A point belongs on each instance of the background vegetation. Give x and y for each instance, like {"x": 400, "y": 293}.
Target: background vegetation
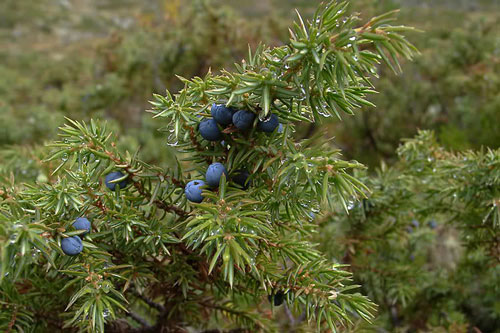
{"x": 104, "y": 59}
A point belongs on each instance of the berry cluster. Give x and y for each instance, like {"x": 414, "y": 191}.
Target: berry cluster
{"x": 210, "y": 130}
{"x": 414, "y": 225}
{"x": 72, "y": 246}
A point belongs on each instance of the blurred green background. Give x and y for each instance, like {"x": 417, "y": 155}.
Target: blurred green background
{"x": 105, "y": 58}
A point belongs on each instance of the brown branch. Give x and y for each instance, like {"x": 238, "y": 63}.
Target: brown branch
{"x": 97, "y": 202}
{"x": 12, "y": 320}
{"x": 290, "y": 316}
{"x": 174, "y": 180}
{"x": 139, "y": 319}
{"x": 149, "y": 302}
{"x": 196, "y": 144}
{"x": 160, "y": 204}
{"x": 229, "y": 310}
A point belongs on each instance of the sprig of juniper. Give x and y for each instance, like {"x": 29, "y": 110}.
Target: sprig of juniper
{"x": 224, "y": 255}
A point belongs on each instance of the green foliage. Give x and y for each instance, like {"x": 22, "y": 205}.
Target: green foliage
{"x": 223, "y": 256}
{"x": 413, "y": 272}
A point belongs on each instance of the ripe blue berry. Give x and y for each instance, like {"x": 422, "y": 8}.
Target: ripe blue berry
{"x": 278, "y": 298}
{"x": 240, "y": 177}
{"x": 415, "y": 223}
{"x": 213, "y": 174}
{"x": 209, "y": 130}
{"x": 222, "y": 114}
{"x": 82, "y": 223}
{"x": 193, "y": 191}
{"x": 243, "y": 119}
{"x": 268, "y": 125}
{"x": 71, "y": 246}
{"x": 114, "y": 176}
{"x": 432, "y": 224}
